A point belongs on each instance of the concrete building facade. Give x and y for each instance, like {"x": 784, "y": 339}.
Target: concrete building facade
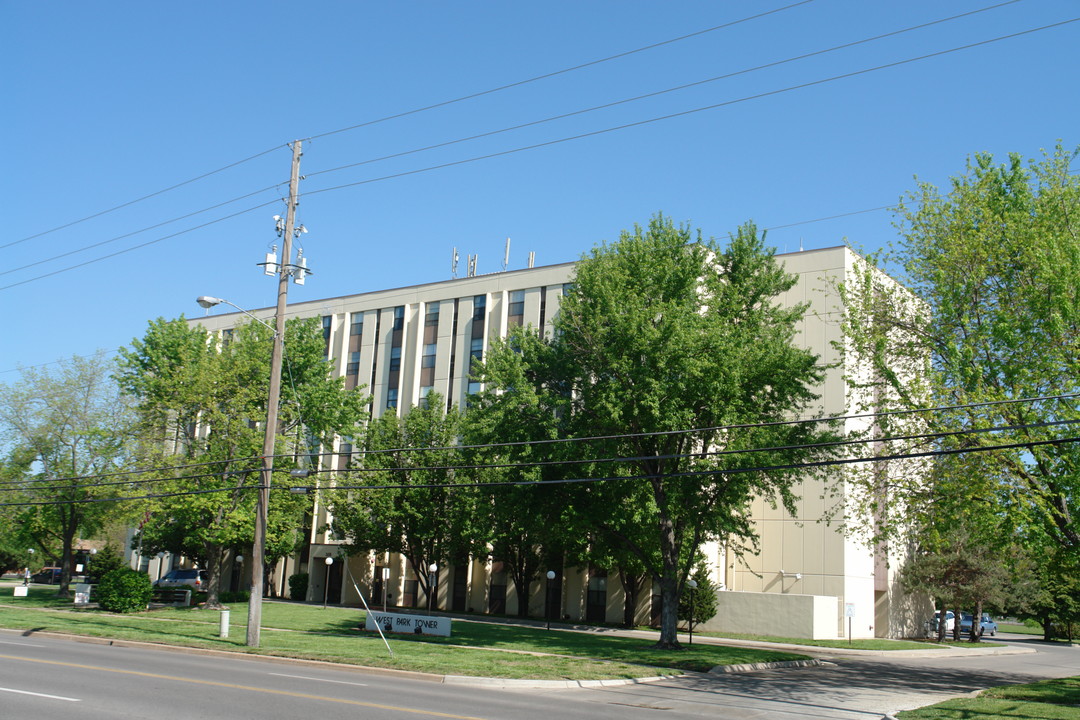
{"x": 809, "y": 578}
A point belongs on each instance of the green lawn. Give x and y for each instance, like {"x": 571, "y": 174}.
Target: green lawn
{"x": 1046, "y": 700}
{"x": 331, "y": 634}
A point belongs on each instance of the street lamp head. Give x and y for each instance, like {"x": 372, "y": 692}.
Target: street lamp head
{"x": 207, "y": 301}
{"x": 692, "y": 583}
{"x": 433, "y": 567}
{"x": 329, "y": 561}
{"x": 239, "y": 558}
{"x": 550, "y": 574}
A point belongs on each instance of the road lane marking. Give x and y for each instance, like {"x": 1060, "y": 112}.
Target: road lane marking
{"x": 20, "y": 644}
{"x": 41, "y": 695}
{"x": 305, "y": 677}
{"x": 249, "y": 688}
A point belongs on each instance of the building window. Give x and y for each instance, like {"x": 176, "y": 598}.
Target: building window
{"x": 327, "y": 324}
{"x": 432, "y": 315}
{"x": 476, "y": 349}
{"x": 356, "y": 329}
{"x": 395, "y": 358}
{"x": 515, "y": 314}
{"x": 428, "y": 358}
{"x": 479, "y": 305}
{"x": 391, "y": 398}
{"x": 399, "y": 317}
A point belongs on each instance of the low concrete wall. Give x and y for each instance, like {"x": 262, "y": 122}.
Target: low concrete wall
{"x": 813, "y": 617}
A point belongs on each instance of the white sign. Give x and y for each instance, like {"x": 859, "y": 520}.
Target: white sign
{"x": 82, "y": 594}
{"x": 20, "y": 591}
{"x": 849, "y": 609}
{"x": 412, "y": 624}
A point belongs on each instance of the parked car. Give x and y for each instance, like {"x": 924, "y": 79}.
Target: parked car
{"x": 50, "y": 575}
{"x": 950, "y": 620}
{"x": 181, "y": 577}
{"x": 987, "y": 625}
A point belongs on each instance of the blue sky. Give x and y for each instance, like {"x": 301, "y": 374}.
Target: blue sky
{"x": 109, "y": 102}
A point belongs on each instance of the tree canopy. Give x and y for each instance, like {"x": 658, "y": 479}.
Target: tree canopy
{"x": 677, "y": 353}
{"x": 64, "y": 429}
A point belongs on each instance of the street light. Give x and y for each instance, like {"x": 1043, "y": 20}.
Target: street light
{"x": 433, "y": 575}
{"x": 692, "y": 584}
{"x": 326, "y": 580}
{"x": 547, "y": 591}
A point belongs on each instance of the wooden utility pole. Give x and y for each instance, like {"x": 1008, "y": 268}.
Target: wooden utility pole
{"x": 284, "y": 270}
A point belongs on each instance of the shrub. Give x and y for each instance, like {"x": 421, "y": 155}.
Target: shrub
{"x": 234, "y": 596}
{"x": 106, "y": 560}
{"x": 124, "y": 590}
{"x": 703, "y": 598}
{"x": 298, "y": 586}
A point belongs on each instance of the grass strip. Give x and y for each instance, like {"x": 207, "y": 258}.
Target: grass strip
{"x": 1057, "y": 699}
{"x": 331, "y": 634}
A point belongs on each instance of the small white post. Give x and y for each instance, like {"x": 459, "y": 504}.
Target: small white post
{"x": 223, "y": 630}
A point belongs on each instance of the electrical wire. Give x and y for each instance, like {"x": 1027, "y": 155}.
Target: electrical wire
{"x": 685, "y": 113}
{"x": 407, "y": 113}
{"x": 458, "y": 448}
{"x": 566, "y": 481}
{"x": 139, "y": 246}
{"x": 142, "y": 230}
{"x": 140, "y": 199}
{"x": 658, "y": 92}
{"x": 556, "y": 73}
{"x": 564, "y": 139}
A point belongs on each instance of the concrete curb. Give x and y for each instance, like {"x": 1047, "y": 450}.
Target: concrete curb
{"x": 753, "y": 667}
{"x": 549, "y": 684}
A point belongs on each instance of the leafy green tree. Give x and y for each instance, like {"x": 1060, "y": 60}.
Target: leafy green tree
{"x": 679, "y": 353}
{"x": 698, "y": 604}
{"x": 409, "y": 505}
{"x": 67, "y": 427}
{"x": 989, "y": 318}
{"x": 200, "y": 404}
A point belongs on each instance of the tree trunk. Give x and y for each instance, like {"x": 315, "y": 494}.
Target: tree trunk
{"x": 976, "y": 623}
{"x": 669, "y": 586}
{"x": 631, "y": 583}
{"x": 215, "y": 562}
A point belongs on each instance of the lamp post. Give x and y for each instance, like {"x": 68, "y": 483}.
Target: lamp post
{"x": 547, "y": 592}
{"x": 385, "y": 586}
{"x": 433, "y": 575}
{"x": 692, "y": 584}
{"x": 326, "y": 580}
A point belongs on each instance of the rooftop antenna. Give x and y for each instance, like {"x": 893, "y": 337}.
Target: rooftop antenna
{"x": 506, "y": 255}
{"x": 800, "y": 243}
{"x": 472, "y": 266}
{"x": 532, "y": 258}
{"x": 453, "y": 264}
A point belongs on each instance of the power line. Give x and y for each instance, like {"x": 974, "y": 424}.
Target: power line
{"x": 660, "y": 92}
{"x": 557, "y": 72}
{"x": 621, "y": 436}
{"x": 407, "y": 113}
{"x": 566, "y": 481}
{"x": 564, "y": 139}
{"x": 145, "y": 229}
{"x": 140, "y": 199}
{"x": 139, "y": 246}
{"x": 692, "y": 111}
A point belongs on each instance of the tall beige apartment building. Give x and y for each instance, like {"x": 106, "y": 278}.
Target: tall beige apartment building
{"x": 809, "y": 579}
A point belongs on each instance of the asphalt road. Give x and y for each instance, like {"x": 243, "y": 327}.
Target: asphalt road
{"x": 48, "y": 678}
